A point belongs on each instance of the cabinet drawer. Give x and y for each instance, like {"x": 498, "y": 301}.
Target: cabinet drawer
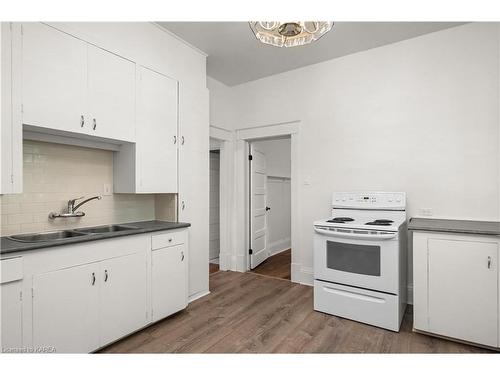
{"x": 363, "y": 305}
{"x": 11, "y": 269}
{"x": 167, "y": 239}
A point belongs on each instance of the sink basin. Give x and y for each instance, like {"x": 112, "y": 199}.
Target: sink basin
{"x": 46, "y": 236}
{"x": 105, "y": 229}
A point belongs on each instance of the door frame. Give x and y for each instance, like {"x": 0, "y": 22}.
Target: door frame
{"x": 225, "y": 138}
{"x": 241, "y": 236}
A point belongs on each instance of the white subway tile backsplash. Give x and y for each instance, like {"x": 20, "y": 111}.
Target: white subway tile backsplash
{"x": 55, "y": 173}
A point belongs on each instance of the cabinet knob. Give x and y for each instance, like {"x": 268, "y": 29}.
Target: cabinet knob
{"x": 170, "y": 240}
{"x": 489, "y": 262}
{"x": 105, "y": 275}
{"x": 183, "y": 205}
{"x": 93, "y": 278}
{"x": 82, "y": 121}
{"x": 182, "y": 142}
{"x": 182, "y": 254}
{"x": 175, "y": 139}
{"x": 95, "y": 124}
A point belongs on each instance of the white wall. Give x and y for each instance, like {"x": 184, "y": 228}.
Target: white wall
{"x": 419, "y": 116}
{"x": 221, "y": 104}
{"x": 278, "y": 161}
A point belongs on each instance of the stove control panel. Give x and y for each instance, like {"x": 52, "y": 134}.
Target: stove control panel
{"x": 370, "y": 200}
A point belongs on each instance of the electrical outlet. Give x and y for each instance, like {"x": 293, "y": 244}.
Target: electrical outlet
{"x": 106, "y": 190}
{"x": 426, "y": 212}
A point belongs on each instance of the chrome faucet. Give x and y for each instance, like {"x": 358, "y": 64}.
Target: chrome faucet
{"x": 72, "y": 209}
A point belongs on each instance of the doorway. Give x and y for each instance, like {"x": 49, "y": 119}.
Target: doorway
{"x": 270, "y": 206}
{"x": 214, "y": 206}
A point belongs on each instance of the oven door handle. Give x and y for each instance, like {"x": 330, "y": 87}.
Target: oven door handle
{"x": 358, "y": 236}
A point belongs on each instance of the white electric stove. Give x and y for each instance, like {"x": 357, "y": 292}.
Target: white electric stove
{"x": 360, "y": 258}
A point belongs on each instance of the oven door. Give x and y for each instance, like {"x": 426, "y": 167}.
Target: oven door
{"x": 357, "y": 258}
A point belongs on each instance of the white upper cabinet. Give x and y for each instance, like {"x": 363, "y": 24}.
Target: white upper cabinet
{"x": 111, "y": 95}
{"x": 157, "y": 132}
{"x": 73, "y": 86}
{"x": 150, "y": 166}
{"x": 54, "y": 74}
{"x": 11, "y": 135}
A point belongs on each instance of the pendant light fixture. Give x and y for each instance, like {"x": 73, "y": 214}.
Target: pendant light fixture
{"x": 289, "y": 34}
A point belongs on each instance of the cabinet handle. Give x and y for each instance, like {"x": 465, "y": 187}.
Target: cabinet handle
{"x": 170, "y": 239}
{"x": 175, "y": 139}
{"x": 105, "y": 275}
{"x": 82, "y": 121}
{"x": 93, "y": 278}
{"x": 489, "y": 262}
{"x": 182, "y": 142}
{"x": 95, "y": 124}
{"x": 182, "y": 253}
{"x": 183, "y": 205}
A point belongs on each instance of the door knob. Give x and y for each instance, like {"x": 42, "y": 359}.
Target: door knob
{"x": 268, "y": 208}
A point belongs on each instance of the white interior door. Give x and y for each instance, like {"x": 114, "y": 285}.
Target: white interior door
{"x": 258, "y": 200}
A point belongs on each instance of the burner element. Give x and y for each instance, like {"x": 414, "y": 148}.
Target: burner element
{"x": 384, "y": 222}
{"x": 340, "y": 220}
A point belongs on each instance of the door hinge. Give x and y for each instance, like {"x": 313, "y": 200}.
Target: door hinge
{"x": 32, "y": 293}
{"x": 250, "y": 157}
{"x": 21, "y": 296}
{"x": 250, "y": 251}
{"x": 22, "y": 30}
{"x": 12, "y": 178}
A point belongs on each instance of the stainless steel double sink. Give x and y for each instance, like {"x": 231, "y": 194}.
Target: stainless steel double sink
{"x": 69, "y": 233}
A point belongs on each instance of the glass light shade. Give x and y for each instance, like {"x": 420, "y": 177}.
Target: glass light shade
{"x": 289, "y": 34}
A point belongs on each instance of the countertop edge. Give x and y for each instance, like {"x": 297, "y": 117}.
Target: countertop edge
{"x": 155, "y": 226}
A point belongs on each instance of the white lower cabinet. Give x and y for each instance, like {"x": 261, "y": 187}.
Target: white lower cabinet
{"x": 79, "y": 298}
{"x": 123, "y": 296}
{"x": 456, "y": 286}
{"x": 11, "y": 304}
{"x": 168, "y": 281}
{"x": 66, "y": 309}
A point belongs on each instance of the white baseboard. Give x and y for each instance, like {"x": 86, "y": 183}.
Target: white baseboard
{"x": 279, "y": 246}
{"x": 302, "y": 275}
{"x": 195, "y": 296}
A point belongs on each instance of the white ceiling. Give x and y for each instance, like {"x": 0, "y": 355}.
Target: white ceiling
{"x": 235, "y": 56}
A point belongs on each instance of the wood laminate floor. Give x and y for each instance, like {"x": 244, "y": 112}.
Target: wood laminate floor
{"x": 279, "y": 265}
{"x": 213, "y": 268}
{"x": 249, "y": 313}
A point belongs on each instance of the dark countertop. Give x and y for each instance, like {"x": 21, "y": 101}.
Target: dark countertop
{"x": 10, "y": 246}
{"x": 455, "y": 226}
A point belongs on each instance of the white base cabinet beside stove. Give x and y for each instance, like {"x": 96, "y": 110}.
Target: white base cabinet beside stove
{"x": 456, "y": 290}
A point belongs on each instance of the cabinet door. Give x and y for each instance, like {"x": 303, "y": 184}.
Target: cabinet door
{"x": 169, "y": 281}
{"x": 156, "y": 145}
{"x": 11, "y": 324}
{"x": 66, "y": 309}
{"x": 194, "y": 182}
{"x": 54, "y": 74}
{"x": 463, "y": 290}
{"x": 111, "y": 95}
{"x": 123, "y": 296}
